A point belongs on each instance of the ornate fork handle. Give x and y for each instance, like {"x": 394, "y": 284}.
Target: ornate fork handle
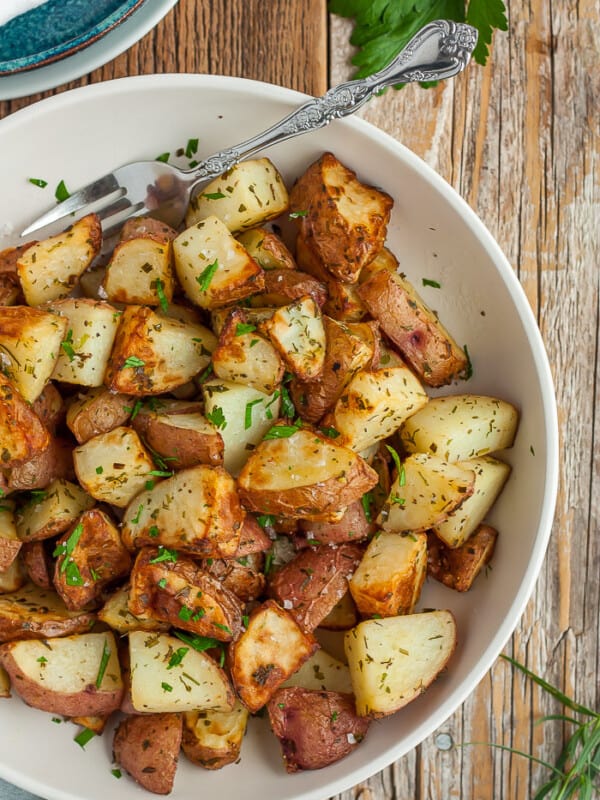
{"x": 438, "y": 51}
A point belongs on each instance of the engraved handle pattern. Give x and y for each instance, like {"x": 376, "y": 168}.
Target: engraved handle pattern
{"x": 438, "y": 51}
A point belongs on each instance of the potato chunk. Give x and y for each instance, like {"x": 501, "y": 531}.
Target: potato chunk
{"x": 302, "y": 475}
{"x": 393, "y": 660}
{"x": 248, "y": 194}
{"x": 213, "y": 739}
{"x": 174, "y": 589}
{"x": 322, "y": 672}
{"x": 343, "y": 220}
{"x": 53, "y": 511}
{"x": 458, "y": 567}
{"x": 196, "y": 511}
{"x": 311, "y": 583}
{"x": 389, "y": 578}
{"x": 147, "y": 747}
{"x": 267, "y": 249}
{"x": 72, "y": 676}
{"x": 460, "y": 427}
{"x": 153, "y": 354}
{"x": 374, "y": 405}
{"x": 184, "y": 440}
{"x": 10, "y": 544}
{"x": 272, "y": 647}
{"x": 91, "y": 329}
{"x": 97, "y": 411}
{"x": 140, "y": 270}
{"x": 35, "y": 613}
{"x": 90, "y": 556}
{"x": 22, "y": 434}
{"x": 30, "y": 342}
{"x": 315, "y": 729}
{"x": 51, "y": 268}
{"x": 297, "y": 332}
{"x": 167, "y": 675}
{"x": 425, "y": 492}
{"x": 490, "y": 477}
{"x": 114, "y": 466}
{"x": 414, "y": 328}
{"x": 116, "y": 614}
{"x": 244, "y": 356}
{"x": 213, "y": 267}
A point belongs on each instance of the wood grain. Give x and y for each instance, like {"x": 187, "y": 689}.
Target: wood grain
{"x": 278, "y": 41}
{"x": 520, "y": 141}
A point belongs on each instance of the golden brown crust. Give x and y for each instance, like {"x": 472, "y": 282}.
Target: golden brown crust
{"x": 181, "y": 593}
{"x": 458, "y": 567}
{"x": 22, "y": 433}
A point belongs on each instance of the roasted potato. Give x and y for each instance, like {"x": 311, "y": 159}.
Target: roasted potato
{"x": 245, "y": 356}
{"x": 272, "y": 647}
{"x": 196, "y": 511}
{"x": 213, "y": 267}
{"x": 213, "y": 739}
{"x": 141, "y": 270}
{"x": 460, "y": 427}
{"x": 22, "y": 433}
{"x": 297, "y": 332}
{"x": 91, "y": 330}
{"x": 30, "y": 341}
{"x": 147, "y": 747}
{"x": 183, "y": 440}
{"x": 52, "y": 511}
{"x": 302, "y": 474}
{"x": 322, "y": 672}
{"x": 50, "y": 407}
{"x": 13, "y": 577}
{"x": 283, "y": 286}
{"x": 242, "y": 575}
{"x": 72, "y": 675}
{"x": 267, "y": 249}
{"x": 97, "y": 411}
{"x": 458, "y": 567}
{"x": 90, "y": 556}
{"x": 55, "y": 461}
{"x": 312, "y": 583}
{"x": 35, "y": 613}
{"x": 343, "y": 220}
{"x": 168, "y": 676}
{"x": 175, "y": 589}
{"x": 414, "y": 328}
{"x": 38, "y": 564}
{"x": 114, "y": 466}
{"x": 153, "y": 354}
{"x": 352, "y": 527}
{"x": 51, "y": 268}
{"x": 314, "y": 728}
{"x": 389, "y": 578}
{"x": 116, "y": 614}
{"x": 10, "y": 544}
{"x": 425, "y": 492}
{"x": 248, "y": 194}
{"x": 393, "y": 660}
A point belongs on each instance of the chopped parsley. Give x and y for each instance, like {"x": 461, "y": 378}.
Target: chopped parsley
{"x": 40, "y": 182}
{"x": 191, "y": 148}
{"x": 133, "y": 362}
{"x": 67, "y": 345}
{"x": 217, "y": 417}
{"x": 213, "y": 195}
{"x": 281, "y": 431}
{"x": 297, "y": 214}
{"x": 61, "y": 192}
{"x": 164, "y": 157}
{"x": 177, "y": 657}
{"x": 428, "y": 282}
{"x": 206, "y": 276}
{"x": 164, "y": 554}
{"x": 244, "y": 327}
{"x": 66, "y": 549}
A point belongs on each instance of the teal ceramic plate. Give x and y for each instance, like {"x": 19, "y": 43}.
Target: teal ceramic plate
{"x": 57, "y": 29}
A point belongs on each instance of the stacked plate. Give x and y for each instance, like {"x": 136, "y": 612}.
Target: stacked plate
{"x": 58, "y": 41}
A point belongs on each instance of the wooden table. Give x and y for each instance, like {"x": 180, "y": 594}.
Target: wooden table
{"x": 520, "y": 141}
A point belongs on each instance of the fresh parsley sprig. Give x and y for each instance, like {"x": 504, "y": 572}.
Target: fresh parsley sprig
{"x": 383, "y": 27}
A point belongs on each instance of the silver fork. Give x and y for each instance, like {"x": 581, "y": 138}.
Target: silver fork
{"x": 439, "y": 50}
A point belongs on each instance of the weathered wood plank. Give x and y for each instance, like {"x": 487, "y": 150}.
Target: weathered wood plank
{"x": 520, "y": 141}
{"x": 278, "y": 42}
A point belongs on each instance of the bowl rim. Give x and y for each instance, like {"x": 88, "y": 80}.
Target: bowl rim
{"x": 292, "y": 98}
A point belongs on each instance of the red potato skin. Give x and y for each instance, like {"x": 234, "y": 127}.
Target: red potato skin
{"x": 109, "y": 410}
{"x": 287, "y": 285}
{"x": 56, "y": 461}
{"x": 253, "y": 538}
{"x": 147, "y": 747}
{"x": 314, "y": 581}
{"x": 89, "y": 701}
{"x": 50, "y": 407}
{"x": 37, "y": 563}
{"x": 353, "y": 527}
{"x": 32, "y": 437}
{"x": 314, "y": 729}
{"x": 163, "y": 589}
{"x": 458, "y": 567}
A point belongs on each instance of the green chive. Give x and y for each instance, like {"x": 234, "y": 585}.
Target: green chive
{"x": 133, "y": 362}
{"x": 213, "y": 195}
{"x": 248, "y": 412}
{"x": 164, "y": 157}
{"x": 61, "y": 192}
{"x": 84, "y": 737}
{"x": 38, "y": 182}
{"x": 67, "y": 547}
{"x": 296, "y": 214}
{"x": 281, "y": 431}
{"x": 191, "y": 148}
{"x": 103, "y": 664}
{"x": 435, "y": 284}
{"x": 160, "y": 293}
{"x": 177, "y": 657}
{"x": 207, "y": 275}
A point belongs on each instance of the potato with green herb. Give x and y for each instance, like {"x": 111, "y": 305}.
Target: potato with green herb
{"x": 147, "y": 747}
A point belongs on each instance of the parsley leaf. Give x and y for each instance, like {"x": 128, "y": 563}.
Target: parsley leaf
{"x": 383, "y": 27}
{"x": 485, "y": 15}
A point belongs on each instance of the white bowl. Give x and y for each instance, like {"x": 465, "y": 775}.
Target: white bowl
{"x": 81, "y": 134}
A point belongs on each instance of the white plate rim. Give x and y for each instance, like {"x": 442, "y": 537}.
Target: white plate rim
{"x": 550, "y": 415}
